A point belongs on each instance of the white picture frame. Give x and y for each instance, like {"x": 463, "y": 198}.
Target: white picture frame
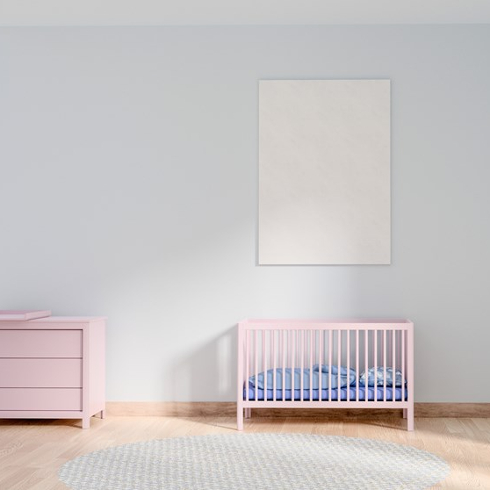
{"x": 324, "y": 172}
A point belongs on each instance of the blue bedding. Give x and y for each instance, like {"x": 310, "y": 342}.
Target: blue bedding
{"x": 330, "y": 377}
{"x": 363, "y": 392}
{"x": 380, "y": 375}
{"x": 339, "y": 382}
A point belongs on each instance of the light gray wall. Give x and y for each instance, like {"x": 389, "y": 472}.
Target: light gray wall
{"x": 128, "y": 187}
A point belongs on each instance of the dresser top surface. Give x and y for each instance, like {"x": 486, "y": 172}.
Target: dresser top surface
{"x": 69, "y": 319}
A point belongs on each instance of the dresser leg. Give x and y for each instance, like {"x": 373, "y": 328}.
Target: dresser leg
{"x": 102, "y": 414}
{"x": 86, "y": 423}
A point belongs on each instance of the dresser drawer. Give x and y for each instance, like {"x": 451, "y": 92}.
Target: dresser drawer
{"x": 40, "y": 373}
{"x": 41, "y": 343}
{"x": 40, "y": 399}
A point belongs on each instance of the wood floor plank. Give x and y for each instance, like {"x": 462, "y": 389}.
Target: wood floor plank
{"x": 31, "y": 452}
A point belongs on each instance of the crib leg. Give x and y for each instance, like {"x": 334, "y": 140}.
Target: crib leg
{"x": 404, "y": 413}
{"x": 239, "y": 417}
{"x": 248, "y": 413}
{"x": 410, "y": 419}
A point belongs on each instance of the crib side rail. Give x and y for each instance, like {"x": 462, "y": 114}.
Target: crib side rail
{"x": 317, "y": 361}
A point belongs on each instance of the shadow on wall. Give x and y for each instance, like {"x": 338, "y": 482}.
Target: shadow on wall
{"x": 208, "y": 373}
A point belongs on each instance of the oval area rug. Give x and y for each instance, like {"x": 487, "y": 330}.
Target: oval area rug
{"x": 256, "y": 462}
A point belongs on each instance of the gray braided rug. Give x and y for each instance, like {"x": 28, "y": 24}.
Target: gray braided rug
{"x": 255, "y": 462}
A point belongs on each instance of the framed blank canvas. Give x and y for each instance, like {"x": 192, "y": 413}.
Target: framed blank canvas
{"x": 324, "y": 172}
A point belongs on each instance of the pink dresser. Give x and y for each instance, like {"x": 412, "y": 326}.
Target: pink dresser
{"x": 51, "y": 367}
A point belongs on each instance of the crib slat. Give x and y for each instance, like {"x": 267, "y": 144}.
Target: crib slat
{"x": 311, "y": 365}
{"x": 339, "y": 355}
{"x": 375, "y": 365}
{"x": 348, "y": 365}
{"x": 385, "y": 348}
{"x": 366, "y": 363}
{"x": 393, "y": 365}
{"x": 247, "y": 362}
{"x": 399, "y": 348}
{"x": 329, "y": 374}
{"x": 273, "y": 365}
{"x": 283, "y": 367}
{"x": 264, "y": 362}
{"x": 302, "y": 373}
{"x": 320, "y": 377}
{"x": 256, "y": 348}
{"x": 293, "y": 355}
{"x": 358, "y": 371}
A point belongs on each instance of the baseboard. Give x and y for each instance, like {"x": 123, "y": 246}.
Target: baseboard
{"x": 452, "y": 410}
{"x": 228, "y": 409}
{"x": 171, "y": 409}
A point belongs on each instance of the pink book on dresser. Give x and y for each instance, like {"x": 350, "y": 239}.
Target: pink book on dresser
{"x": 17, "y": 315}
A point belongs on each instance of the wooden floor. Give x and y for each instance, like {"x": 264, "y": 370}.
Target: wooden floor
{"x": 31, "y": 452}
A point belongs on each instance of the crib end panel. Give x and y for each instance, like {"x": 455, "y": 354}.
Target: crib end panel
{"x": 410, "y": 378}
{"x": 241, "y": 381}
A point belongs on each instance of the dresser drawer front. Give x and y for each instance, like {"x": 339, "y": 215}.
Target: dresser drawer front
{"x": 40, "y": 399}
{"x": 40, "y": 373}
{"x": 41, "y": 343}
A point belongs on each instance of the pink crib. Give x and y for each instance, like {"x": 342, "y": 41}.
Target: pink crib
{"x": 325, "y": 364}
